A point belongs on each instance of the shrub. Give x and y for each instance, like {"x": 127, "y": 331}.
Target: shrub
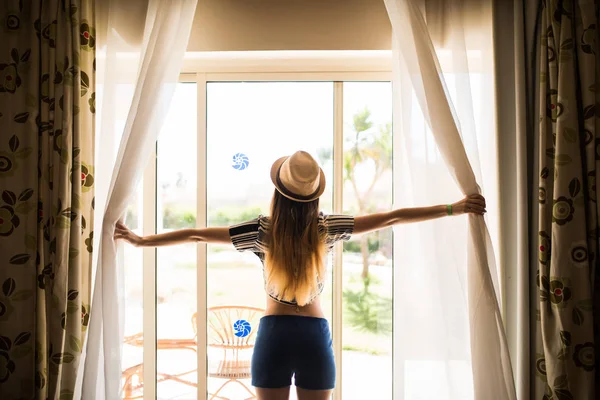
{"x": 175, "y": 219}
{"x": 367, "y": 311}
{"x": 353, "y": 246}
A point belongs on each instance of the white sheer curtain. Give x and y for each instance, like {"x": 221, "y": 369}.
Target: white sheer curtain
{"x": 449, "y": 340}
{"x": 146, "y": 54}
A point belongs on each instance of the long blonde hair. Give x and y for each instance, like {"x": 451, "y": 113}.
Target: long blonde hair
{"x": 294, "y": 260}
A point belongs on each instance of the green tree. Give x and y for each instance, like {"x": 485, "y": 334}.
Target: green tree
{"x": 366, "y": 310}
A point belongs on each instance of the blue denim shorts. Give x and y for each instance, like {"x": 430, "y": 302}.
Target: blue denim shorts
{"x": 290, "y": 345}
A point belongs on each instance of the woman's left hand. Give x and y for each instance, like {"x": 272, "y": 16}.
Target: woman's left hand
{"x": 473, "y": 204}
{"x": 123, "y": 232}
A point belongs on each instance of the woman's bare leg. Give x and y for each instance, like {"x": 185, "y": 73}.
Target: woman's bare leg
{"x": 273, "y": 394}
{"x": 304, "y": 394}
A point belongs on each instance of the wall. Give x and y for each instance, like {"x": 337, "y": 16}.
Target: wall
{"x": 246, "y": 25}
{"x": 237, "y": 25}
{"x": 249, "y": 25}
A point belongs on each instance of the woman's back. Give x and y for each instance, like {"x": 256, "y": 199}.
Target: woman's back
{"x": 254, "y": 236}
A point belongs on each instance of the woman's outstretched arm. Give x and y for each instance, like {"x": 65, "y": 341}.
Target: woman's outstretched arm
{"x": 474, "y": 204}
{"x": 206, "y": 235}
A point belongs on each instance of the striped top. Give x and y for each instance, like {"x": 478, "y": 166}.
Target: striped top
{"x": 250, "y": 236}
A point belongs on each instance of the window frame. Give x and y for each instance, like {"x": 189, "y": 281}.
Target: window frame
{"x": 202, "y": 68}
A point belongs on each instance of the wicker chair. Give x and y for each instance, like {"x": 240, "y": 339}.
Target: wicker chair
{"x": 231, "y": 332}
{"x": 133, "y": 377}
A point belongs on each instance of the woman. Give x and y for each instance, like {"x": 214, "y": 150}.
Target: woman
{"x": 293, "y": 337}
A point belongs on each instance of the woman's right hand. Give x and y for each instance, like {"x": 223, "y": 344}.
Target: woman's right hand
{"x": 473, "y": 204}
{"x": 123, "y": 232}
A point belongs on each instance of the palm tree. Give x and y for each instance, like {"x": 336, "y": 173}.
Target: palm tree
{"x": 365, "y": 146}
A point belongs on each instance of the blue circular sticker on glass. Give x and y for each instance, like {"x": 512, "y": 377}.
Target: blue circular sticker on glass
{"x": 240, "y": 161}
{"x": 241, "y": 328}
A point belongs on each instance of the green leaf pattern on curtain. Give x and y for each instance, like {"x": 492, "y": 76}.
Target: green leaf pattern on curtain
{"x": 569, "y": 141}
{"x": 47, "y": 106}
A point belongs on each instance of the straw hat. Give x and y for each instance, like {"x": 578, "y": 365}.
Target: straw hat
{"x": 298, "y": 177}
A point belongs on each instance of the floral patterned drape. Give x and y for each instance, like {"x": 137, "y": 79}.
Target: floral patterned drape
{"x": 47, "y": 59}
{"x": 568, "y": 218}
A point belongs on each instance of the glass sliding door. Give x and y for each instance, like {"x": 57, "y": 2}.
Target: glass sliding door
{"x": 213, "y": 161}
{"x": 249, "y": 126}
{"x": 367, "y": 259}
{"x": 176, "y": 188}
